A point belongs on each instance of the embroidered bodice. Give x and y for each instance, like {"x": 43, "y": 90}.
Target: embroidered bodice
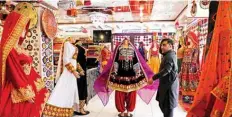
{"x": 154, "y": 53}
{"x": 190, "y": 55}
{"x": 105, "y": 55}
{"x": 25, "y": 60}
{"x": 126, "y": 54}
{"x": 26, "y": 63}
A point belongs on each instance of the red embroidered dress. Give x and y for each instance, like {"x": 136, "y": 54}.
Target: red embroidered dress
{"x": 20, "y": 84}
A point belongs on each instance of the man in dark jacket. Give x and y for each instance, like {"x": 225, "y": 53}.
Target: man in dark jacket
{"x": 168, "y": 90}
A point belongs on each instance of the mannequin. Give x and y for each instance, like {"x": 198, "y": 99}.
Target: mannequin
{"x": 82, "y": 81}
{"x": 189, "y": 74}
{"x": 126, "y": 73}
{"x": 65, "y": 94}
{"x": 180, "y": 53}
{"x": 142, "y": 50}
{"x": 104, "y": 57}
{"x": 154, "y": 61}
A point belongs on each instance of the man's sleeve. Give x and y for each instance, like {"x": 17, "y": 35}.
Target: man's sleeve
{"x": 168, "y": 64}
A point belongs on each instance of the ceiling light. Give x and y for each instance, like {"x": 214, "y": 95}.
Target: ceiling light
{"x": 102, "y": 37}
{"x": 98, "y": 18}
{"x": 74, "y": 20}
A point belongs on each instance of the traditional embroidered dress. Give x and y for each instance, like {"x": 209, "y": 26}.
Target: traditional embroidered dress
{"x": 105, "y": 56}
{"x": 180, "y": 56}
{"x": 216, "y": 73}
{"x": 143, "y": 52}
{"x": 154, "y": 61}
{"x": 189, "y": 75}
{"x": 65, "y": 93}
{"x": 127, "y": 73}
{"x": 20, "y": 83}
{"x": 180, "y": 53}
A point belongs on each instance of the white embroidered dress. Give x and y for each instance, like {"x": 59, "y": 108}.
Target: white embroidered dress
{"x": 65, "y": 93}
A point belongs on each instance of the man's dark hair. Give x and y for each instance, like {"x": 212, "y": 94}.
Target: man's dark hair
{"x": 169, "y": 41}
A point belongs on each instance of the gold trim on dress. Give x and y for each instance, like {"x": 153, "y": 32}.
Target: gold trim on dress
{"x": 22, "y": 94}
{"x": 47, "y": 94}
{"x": 11, "y": 41}
{"x": 217, "y": 113}
{"x": 75, "y": 55}
{"x": 127, "y": 88}
{"x": 27, "y": 68}
{"x": 70, "y": 67}
{"x": 39, "y": 84}
{"x": 79, "y": 68}
{"x": 220, "y": 91}
{"x": 55, "y": 111}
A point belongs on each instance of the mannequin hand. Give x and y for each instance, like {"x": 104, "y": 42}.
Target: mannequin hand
{"x": 150, "y": 81}
{"x": 82, "y": 73}
{"x": 76, "y": 74}
{"x": 32, "y": 100}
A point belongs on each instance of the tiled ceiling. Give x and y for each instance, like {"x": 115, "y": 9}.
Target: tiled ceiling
{"x": 127, "y": 10}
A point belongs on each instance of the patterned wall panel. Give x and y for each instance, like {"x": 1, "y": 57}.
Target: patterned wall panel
{"x": 47, "y": 61}
{"x": 135, "y": 38}
{"x": 41, "y": 49}
{"x": 32, "y": 44}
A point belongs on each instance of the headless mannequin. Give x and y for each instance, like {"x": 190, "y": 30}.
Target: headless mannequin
{"x": 125, "y": 45}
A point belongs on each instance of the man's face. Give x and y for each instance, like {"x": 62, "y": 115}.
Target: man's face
{"x": 165, "y": 46}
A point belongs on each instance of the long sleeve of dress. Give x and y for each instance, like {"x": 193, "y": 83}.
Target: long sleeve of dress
{"x": 22, "y": 89}
{"x": 168, "y": 64}
{"x": 116, "y": 65}
{"x": 67, "y": 57}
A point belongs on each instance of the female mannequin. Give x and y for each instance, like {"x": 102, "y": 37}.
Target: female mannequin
{"x": 104, "y": 57}
{"x": 189, "y": 74}
{"x": 125, "y": 72}
{"x": 154, "y": 61}
{"x": 65, "y": 94}
{"x": 180, "y": 54}
{"x": 142, "y": 50}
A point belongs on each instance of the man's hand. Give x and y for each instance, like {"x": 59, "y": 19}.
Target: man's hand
{"x": 150, "y": 81}
{"x": 76, "y": 74}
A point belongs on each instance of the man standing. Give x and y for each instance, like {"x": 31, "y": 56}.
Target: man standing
{"x": 168, "y": 90}
{"x": 82, "y": 81}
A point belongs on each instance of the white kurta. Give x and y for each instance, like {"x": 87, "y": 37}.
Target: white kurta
{"x": 65, "y": 93}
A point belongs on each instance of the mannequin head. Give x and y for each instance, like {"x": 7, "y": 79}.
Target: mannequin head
{"x": 191, "y": 40}
{"x": 154, "y": 44}
{"x": 125, "y": 41}
{"x": 141, "y": 44}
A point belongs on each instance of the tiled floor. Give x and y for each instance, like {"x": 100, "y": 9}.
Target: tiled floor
{"x": 97, "y": 109}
